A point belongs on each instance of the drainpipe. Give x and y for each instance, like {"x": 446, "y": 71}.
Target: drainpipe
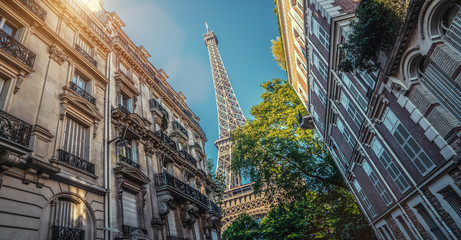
{"x": 107, "y": 160}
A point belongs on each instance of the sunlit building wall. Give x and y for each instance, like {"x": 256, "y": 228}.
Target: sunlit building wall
{"x": 394, "y": 133}
{"x": 94, "y": 143}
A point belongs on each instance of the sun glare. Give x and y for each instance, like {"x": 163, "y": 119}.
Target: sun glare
{"x": 93, "y": 5}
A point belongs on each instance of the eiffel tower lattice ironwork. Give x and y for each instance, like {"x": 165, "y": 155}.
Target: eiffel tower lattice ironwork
{"x": 230, "y": 114}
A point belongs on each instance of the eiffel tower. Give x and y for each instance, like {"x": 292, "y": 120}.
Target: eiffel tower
{"x": 238, "y": 198}
{"x": 230, "y": 115}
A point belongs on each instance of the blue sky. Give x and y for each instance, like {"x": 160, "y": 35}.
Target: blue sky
{"x": 172, "y": 31}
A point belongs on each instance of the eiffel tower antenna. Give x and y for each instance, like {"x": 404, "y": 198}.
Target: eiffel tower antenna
{"x": 230, "y": 115}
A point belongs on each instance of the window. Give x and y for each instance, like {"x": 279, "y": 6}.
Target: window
{"x": 129, "y": 151}
{"x": 75, "y": 139}
{"x": 321, "y": 34}
{"x": 377, "y": 183}
{"x": 355, "y": 94}
{"x": 450, "y": 195}
{"x": 320, "y": 66}
{"x": 130, "y": 209}
{"x": 431, "y": 224}
{"x": 350, "y": 141}
{"x": 338, "y": 161}
{"x": 340, "y": 152}
{"x": 406, "y": 229}
{"x": 84, "y": 46}
{"x": 7, "y": 27}
{"x": 125, "y": 103}
{"x": 68, "y": 219}
{"x": 390, "y": 166}
{"x": 357, "y": 118}
{"x": 407, "y": 142}
{"x": 388, "y": 233}
{"x": 365, "y": 200}
{"x": 320, "y": 94}
{"x": 318, "y": 120}
{"x": 451, "y": 26}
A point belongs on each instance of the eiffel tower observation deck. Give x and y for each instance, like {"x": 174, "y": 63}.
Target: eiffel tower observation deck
{"x": 238, "y": 198}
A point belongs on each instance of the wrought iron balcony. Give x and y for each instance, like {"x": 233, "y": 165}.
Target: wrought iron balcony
{"x": 64, "y": 233}
{"x": 16, "y": 49}
{"x": 129, "y": 161}
{"x": 14, "y": 129}
{"x": 178, "y": 126}
{"x": 165, "y": 139}
{"x": 167, "y": 180}
{"x": 153, "y": 104}
{"x": 188, "y": 157}
{"x": 75, "y": 161}
{"x": 124, "y": 109}
{"x": 128, "y": 230}
{"x": 80, "y": 91}
{"x": 35, "y": 8}
{"x": 215, "y": 207}
{"x": 86, "y": 55}
{"x": 170, "y": 237}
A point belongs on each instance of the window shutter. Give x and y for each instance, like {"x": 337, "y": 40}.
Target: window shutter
{"x": 130, "y": 209}
{"x": 172, "y": 223}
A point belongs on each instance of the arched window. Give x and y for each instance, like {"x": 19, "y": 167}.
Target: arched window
{"x": 68, "y": 219}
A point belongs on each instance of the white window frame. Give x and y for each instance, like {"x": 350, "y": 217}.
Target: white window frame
{"x": 377, "y": 183}
{"x": 321, "y": 34}
{"x": 408, "y": 142}
{"x": 347, "y": 136}
{"x": 319, "y": 93}
{"x": 356, "y": 116}
{"x": 323, "y": 70}
{"x": 390, "y": 166}
{"x": 355, "y": 94}
{"x": 364, "y": 197}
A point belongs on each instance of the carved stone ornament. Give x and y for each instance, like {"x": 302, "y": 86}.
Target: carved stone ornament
{"x": 396, "y": 84}
{"x": 163, "y": 201}
{"x": 9, "y": 159}
{"x": 188, "y": 213}
{"x": 57, "y": 54}
{"x": 19, "y": 81}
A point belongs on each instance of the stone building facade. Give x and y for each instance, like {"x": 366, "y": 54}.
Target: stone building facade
{"x": 394, "y": 133}
{"x": 94, "y": 143}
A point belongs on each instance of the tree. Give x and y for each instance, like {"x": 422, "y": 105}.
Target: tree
{"x": 304, "y": 219}
{"x": 289, "y": 164}
{"x": 164, "y": 123}
{"x": 219, "y": 181}
{"x": 278, "y": 52}
{"x": 243, "y": 228}
{"x": 273, "y": 151}
{"x": 375, "y": 30}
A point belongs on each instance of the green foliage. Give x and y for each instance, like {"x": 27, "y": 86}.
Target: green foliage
{"x": 278, "y": 53}
{"x": 304, "y": 219}
{"x": 219, "y": 181}
{"x": 290, "y": 165}
{"x": 273, "y": 151}
{"x": 376, "y": 28}
{"x": 164, "y": 124}
{"x": 243, "y": 228}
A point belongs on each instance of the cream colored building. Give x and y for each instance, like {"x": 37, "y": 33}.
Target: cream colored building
{"x": 94, "y": 143}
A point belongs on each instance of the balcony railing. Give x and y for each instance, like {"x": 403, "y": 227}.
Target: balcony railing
{"x": 165, "y": 179}
{"x": 178, "y": 126}
{"x": 35, "y": 8}
{"x": 80, "y": 91}
{"x": 189, "y": 115}
{"x": 124, "y": 109}
{"x": 64, "y": 233}
{"x": 175, "y": 238}
{"x": 215, "y": 207}
{"x": 14, "y": 129}
{"x": 75, "y": 161}
{"x": 167, "y": 140}
{"x": 153, "y": 104}
{"x": 86, "y": 55}
{"x": 127, "y": 230}
{"x": 16, "y": 49}
{"x": 129, "y": 161}
{"x": 188, "y": 157}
